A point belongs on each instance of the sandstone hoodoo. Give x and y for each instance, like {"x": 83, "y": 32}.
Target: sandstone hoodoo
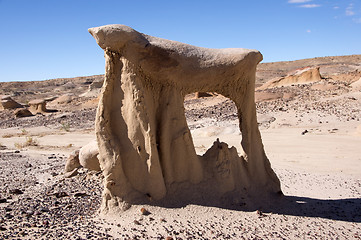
{"x": 146, "y": 151}
{"x": 37, "y": 106}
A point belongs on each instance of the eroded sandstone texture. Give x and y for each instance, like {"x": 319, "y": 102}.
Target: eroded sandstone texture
{"x": 145, "y": 147}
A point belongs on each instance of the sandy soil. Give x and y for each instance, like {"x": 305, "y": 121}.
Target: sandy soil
{"x": 311, "y": 133}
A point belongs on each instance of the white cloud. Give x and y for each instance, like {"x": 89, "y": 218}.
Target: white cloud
{"x": 308, "y": 31}
{"x": 298, "y": 1}
{"x": 310, "y": 6}
{"x": 304, "y": 5}
{"x": 336, "y": 7}
{"x": 349, "y": 10}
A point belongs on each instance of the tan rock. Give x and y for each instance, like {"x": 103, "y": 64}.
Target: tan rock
{"x": 72, "y": 162}
{"x": 94, "y": 89}
{"x": 145, "y": 147}
{"x": 66, "y": 98}
{"x": 300, "y": 76}
{"x": 88, "y": 156}
{"x": 37, "y": 106}
{"x": 8, "y": 103}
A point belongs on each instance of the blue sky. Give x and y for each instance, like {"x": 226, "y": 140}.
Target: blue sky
{"x": 49, "y": 39}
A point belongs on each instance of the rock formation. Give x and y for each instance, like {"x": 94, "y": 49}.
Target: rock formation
{"x": 94, "y": 88}
{"x": 37, "y": 106}
{"x": 88, "y": 156}
{"x": 146, "y": 149}
{"x": 300, "y": 76}
{"x": 64, "y": 99}
{"x": 72, "y": 162}
{"x": 8, "y": 103}
{"x": 96, "y": 84}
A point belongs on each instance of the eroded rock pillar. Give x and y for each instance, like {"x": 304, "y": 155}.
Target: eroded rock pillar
{"x": 146, "y": 150}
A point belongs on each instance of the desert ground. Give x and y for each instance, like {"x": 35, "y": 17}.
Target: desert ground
{"x": 311, "y": 131}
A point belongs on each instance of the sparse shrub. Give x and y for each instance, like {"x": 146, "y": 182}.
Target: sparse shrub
{"x": 7, "y": 135}
{"x": 65, "y": 126}
{"x": 18, "y": 145}
{"x": 24, "y": 132}
{"x": 29, "y": 141}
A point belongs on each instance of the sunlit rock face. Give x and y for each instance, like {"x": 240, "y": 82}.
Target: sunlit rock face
{"x": 146, "y": 150}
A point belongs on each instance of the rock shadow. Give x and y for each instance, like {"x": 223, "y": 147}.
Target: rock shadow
{"x": 348, "y": 209}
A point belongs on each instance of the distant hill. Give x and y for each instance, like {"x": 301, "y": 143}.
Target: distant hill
{"x": 328, "y": 66}
{"x": 28, "y": 90}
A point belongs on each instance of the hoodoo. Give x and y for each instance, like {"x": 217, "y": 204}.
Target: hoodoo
{"x": 146, "y": 150}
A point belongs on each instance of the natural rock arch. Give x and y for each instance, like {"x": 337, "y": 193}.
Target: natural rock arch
{"x": 145, "y": 147}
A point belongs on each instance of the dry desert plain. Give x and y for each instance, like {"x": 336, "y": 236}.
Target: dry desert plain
{"x": 311, "y": 132}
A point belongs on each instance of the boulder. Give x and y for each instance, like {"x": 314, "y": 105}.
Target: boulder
{"x": 64, "y": 99}
{"x": 8, "y": 103}
{"x": 88, "y": 156}
{"x": 146, "y": 150}
{"x": 72, "y": 162}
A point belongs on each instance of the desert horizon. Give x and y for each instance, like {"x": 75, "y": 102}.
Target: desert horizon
{"x": 307, "y": 62}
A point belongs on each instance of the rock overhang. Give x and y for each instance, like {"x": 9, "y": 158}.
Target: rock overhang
{"x": 145, "y": 146}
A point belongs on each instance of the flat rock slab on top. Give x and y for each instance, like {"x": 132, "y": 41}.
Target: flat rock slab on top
{"x": 37, "y": 106}
{"x": 145, "y": 147}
